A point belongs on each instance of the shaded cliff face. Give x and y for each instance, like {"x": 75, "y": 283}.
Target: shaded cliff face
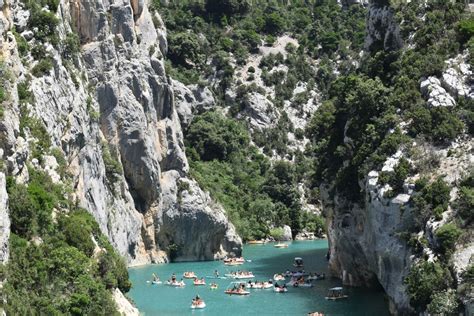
{"x": 368, "y": 239}
{"x": 110, "y": 110}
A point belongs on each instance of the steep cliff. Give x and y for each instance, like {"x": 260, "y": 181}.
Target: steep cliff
{"x": 384, "y": 228}
{"x": 109, "y": 108}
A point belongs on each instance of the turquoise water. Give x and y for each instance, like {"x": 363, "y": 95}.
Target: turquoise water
{"x": 266, "y": 261}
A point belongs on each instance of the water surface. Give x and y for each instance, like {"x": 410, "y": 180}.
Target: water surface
{"x": 266, "y": 260}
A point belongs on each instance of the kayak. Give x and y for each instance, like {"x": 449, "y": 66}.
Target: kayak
{"x": 296, "y": 284}
{"x": 198, "y": 306}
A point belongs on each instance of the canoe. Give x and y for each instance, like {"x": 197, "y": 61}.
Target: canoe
{"x": 198, "y": 306}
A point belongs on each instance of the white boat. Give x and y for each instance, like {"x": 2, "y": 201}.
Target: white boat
{"x": 239, "y": 276}
{"x": 236, "y": 288}
{"x": 280, "y": 289}
{"x": 189, "y": 275}
{"x": 156, "y": 282}
{"x": 298, "y": 262}
{"x": 259, "y": 285}
{"x": 299, "y": 284}
{"x": 199, "y": 282}
{"x": 176, "y": 283}
{"x": 316, "y": 277}
{"x": 281, "y": 245}
{"x": 278, "y": 277}
{"x": 201, "y": 305}
{"x": 336, "y": 293}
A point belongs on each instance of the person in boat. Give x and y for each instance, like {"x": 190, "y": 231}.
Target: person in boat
{"x": 173, "y": 277}
{"x": 284, "y": 286}
{"x": 276, "y": 284}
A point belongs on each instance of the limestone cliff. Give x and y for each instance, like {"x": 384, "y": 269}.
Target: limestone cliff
{"x": 110, "y": 110}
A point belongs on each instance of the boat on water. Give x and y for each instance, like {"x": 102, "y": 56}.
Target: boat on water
{"x": 315, "y": 314}
{"x": 214, "y": 286}
{"x": 236, "y": 288}
{"x": 299, "y": 282}
{"x": 281, "y": 245}
{"x": 239, "y": 259}
{"x": 259, "y": 285}
{"x": 298, "y": 262}
{"x": 316, "y": 277}
{"x": 278, "y": 277}
{"x": 175, "y": 283}
{"x": 197, "y": 282}
{"x": 156, "y": 282}
{"x": 295, "y": 274}
{"x": 280, "y": 289}
{"x": 240, "y": 275}
{"x": 256, "y": 242}
{"x": 233, "y": 263}
{"x": 336, "y": 293}
{"x": 189, "y": 275}
{"x": 198, "y": 303}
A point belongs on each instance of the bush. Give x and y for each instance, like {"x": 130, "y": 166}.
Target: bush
{"x": 44, "y": 23}
{"x": 446, "y": 236}
{"x": 43, "y": 67}
{"x": 424, "y": 279}
{"x": 113, "y": 168}
{"x": 277, "y": 233}
{"x": 443, "y": 303}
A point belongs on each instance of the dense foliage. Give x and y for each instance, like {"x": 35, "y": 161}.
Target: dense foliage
{"x": 53, "y": 268}
{"x": 257, "y": 195}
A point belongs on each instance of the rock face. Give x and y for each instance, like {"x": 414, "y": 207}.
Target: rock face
{"x": 4, "y": 221}
{"x": 363, "y": 248}
{"x": 435, "y": 94}
{"x": 111, "y": 111}
{"x": 382, "y": 30}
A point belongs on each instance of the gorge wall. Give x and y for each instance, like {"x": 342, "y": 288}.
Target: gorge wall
{"x": 110, "y": 110}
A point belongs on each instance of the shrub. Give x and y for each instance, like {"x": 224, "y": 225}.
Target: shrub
{"x": 424, "y": 279}
{"x": 443, "y": 303}
{"x": 113, "y": 168}
{"x": 277, "y": 233}
{"x": 446, "y": 236}
{"x": 43, "y": 67}
{"x": 44, "y": 23}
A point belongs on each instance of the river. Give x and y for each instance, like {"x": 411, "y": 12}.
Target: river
{"x": 265, "y": 261}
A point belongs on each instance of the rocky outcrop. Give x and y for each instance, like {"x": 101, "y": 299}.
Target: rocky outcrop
{"x": 259, "y": 112}
{"x": 191, "y": 100}
{"x": 124, "y": 307}
{"x": 435, "y": 94}
{"x": 111, "y": 110}
{"x": 382, "y": 31}
{"x": 4, "y": 220}
{"x": 192, "y": 224}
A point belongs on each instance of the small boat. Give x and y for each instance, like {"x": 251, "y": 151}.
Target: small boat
{"x": 233, "y": 263}
{"x": 278, "y": 277}
{"x": 315, "y": 314}
{"x": 280, "y": 289}
{"x": 256, "y": 242}
{"x": 281, "y": 245}
{"x": 240, "y": 275}
{"x": 336, "y": 293}
{"x": 236, "y": 288}
{"x": 298, "y": 262}
{"x": 316, "y": 277}
{"x": 299, "y": 283}
{"x": 175, "y": 283}
{"x": 295, "y": 274}
{"x": 240, "y": 259}
{"x": 199, "y": 282}
{"x": 156, "y": 282}
{"x": 214, "y": 286}
{"x": 198, "y": 305}
{"x": 259, "y": 285}
{"x": 189, "y": 275}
